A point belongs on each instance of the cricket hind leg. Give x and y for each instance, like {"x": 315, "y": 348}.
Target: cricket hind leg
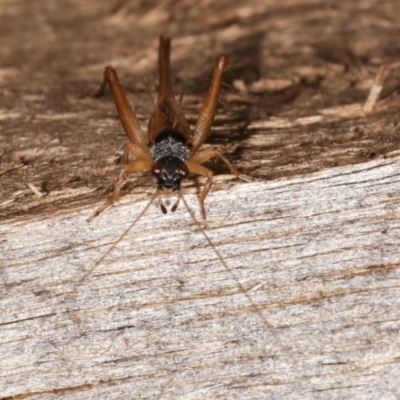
{"x": 100, "y": 91}
{"x": 127, "y": 115}
{"x": 142, "y": 163}
{"x": 209, "y": 107}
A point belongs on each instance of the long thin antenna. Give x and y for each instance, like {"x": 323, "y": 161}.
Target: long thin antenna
{"x": 225, "y": 265}
{"x": 156, "y": 194}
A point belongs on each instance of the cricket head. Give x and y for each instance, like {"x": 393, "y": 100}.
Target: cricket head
{"x": 169, "y": 171}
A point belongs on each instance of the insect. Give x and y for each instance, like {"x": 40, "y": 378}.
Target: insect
{"x": 171, "y": 150}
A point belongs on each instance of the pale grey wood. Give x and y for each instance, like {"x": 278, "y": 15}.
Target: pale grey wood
{"x": 160, "y": 318}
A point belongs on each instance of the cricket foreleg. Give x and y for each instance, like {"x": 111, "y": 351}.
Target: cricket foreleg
{"x": 198, "y": 169}
{"x": 142, "y": 163}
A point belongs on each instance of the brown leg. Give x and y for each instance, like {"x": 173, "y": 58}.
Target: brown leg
{"x": 137, "y": 152}
{"x": 142, "y": 163}
{"x": 101, "y": 89}
{"x": 198, "y": 169}
{"x": 207, "y": 113}
{"x": 125, "y": 158}
{"x": 200, "y": 158}
{"x": 126, "y": 114}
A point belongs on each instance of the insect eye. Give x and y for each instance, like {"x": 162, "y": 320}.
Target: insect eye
{"x": 156, "y": 169}
{"x": 184, "y": 170}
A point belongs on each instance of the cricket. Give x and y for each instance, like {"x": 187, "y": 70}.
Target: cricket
{"x": 170, "y": 150}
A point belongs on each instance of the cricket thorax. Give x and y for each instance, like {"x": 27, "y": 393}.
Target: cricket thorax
{"x": 170, "y": 143}
{"x": 170, "y": 154}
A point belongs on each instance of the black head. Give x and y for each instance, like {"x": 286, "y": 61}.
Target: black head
{"x": 169, "y": 172}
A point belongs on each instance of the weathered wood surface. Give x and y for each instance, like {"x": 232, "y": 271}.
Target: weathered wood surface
{"x": 314, "y": 240}
{"x": 161, "y": 318}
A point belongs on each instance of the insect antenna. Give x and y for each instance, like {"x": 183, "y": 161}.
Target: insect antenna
{"x": 254, "y": 308}
{"x": 101, "y": 259}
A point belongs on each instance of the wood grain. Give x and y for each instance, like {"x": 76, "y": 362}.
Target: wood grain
{"x": 160, "y": 318}
{"x": 313, "y": 239}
